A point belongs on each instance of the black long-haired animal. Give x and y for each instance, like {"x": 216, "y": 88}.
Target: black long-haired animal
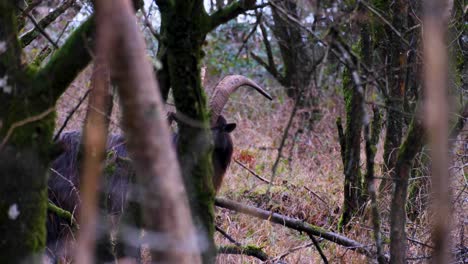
{"x": 64, "y": 178}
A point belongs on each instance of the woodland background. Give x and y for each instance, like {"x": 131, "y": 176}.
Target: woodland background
{"x": 345, "y": 145}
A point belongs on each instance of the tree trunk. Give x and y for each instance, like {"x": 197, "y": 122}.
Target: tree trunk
{"x": 26, "y": 129}
{"x": 299, "y": 60}
{"x": 408, "y": 150}
{"x": 27, "y": 118}
{"x": 355, "y": 187}
{"x": 184, "y": 28}
{"x": 352, "y": 150}
{"x": 185, "y": 37}
{"x": 394, "y": 56}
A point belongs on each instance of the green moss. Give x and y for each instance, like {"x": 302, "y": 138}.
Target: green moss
{"x": 253, "y": 247}
{"x": 262, "y": 190}
{"x": 61, "y": 213}
{"x": 34, "y": 135}
{"x": 23, "y": 206}
{"x": 11, "y": 59}
{"x": 344, "y": 218}
{"x": 65, "y": 64}
{"x": 110, "y": 168}
{"x": 347, "y": 89}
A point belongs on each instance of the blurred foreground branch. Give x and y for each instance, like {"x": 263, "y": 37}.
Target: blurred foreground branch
{"x": 161, "y": 194}
{"x": 436, "y": 16}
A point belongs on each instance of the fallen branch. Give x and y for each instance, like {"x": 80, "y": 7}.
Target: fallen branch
{"x": 252, "y": 251}
{"x": 295, "y": 224}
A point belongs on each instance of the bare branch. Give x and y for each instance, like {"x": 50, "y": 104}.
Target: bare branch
{"x": 39, "y": 27}
{"x": 252, "y": 172}
{"x": 229, "y": 12}
{"x": 94, "y": 144}
{"x": 295, "y": 224}
{"x": 70, "y": 114}
{"x": 319, "y": 249}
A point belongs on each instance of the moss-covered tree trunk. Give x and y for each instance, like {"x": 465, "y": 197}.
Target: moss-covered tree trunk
{"x": 27, "y": 118}
{"x": 407, "y": 151}
{"x": 23, "y": 153}
{"x": 299, "y": 55}
{"x": 184, "y": 27}
{"x": 354, "y": 185}
{"x": 352, "y": 150}
{"x": 393, "y": 54}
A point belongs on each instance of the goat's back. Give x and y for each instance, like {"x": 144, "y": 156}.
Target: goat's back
{"x": 64, "y": 182}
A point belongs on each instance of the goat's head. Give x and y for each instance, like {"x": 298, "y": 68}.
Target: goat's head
{"x": 223, "y": 146}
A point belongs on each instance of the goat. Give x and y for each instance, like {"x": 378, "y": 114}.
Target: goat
{"x": 64, "y": 178}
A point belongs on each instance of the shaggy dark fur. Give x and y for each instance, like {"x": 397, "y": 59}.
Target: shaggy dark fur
{"x": 64, "y": 178}
{"x": 64, "y": 183}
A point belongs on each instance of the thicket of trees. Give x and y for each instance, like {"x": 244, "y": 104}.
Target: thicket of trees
{"x": 396, "y": 65}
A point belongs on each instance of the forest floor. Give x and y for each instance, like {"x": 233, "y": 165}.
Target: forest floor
{"x": 308, "y": 183}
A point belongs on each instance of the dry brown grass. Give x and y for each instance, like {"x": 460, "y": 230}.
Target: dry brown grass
{"x": 308, "y": 184}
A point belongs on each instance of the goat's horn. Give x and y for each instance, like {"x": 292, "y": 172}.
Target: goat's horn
{"x": 225, "y": 88}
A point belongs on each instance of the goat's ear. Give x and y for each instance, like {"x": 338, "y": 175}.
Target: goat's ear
{"x": 229, "y": 127}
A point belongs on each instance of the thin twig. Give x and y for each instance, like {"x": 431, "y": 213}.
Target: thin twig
{"x": 40, "y": 30}
{"x": 283, "y": 141}
{"x": 319, "y": 249}
{"x": 70, "y": 114}
{"x": 25, "y": 122}
{"x": 29, "y": 36}
{"x": 63, "y": 31}
{"x": 379, "y": 15}
{"x": 252, "y": 31}
{"x": 316, "y": 195}
{"x": 72, "y": 185}
{"x": 252, "y": 172}
{"x": 226, "y": 235}
{"x": 289, "y": 251}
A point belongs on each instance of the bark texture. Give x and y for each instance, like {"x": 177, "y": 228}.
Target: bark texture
{"x": 165, "y": 211}
{"x": 184, "y": 25}
{"x": 27, "y": 119}
{"x": 408, "y": 150}
{"x": 393, "y": 54}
